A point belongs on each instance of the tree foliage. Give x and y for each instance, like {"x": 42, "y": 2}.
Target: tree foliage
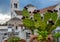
{"x": 47, "y": 16}
{"x": 44, "y": 28}
{"x": 37, "y": 16}
{"x": 25, "y": 13}
{"x": 38, "y": 23}
{"x": 58, "y": 22}
{"x": 37, "y": 20}
{"x": 52, "y": 24}
{"x": 54, "y": 16}
{"x": 28, "y": 23}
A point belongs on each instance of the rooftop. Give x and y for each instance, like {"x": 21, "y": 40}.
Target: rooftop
{"x": 18, "y": 12}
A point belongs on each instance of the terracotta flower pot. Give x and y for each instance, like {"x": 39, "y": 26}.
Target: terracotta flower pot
{"x": 22, "y": 40}
{"x": 49, "y": 38}
{"x": 5, "y": 40}
{"x": 33, "y": 38}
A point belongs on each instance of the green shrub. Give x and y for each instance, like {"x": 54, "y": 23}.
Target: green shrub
{"x": 42, "y": 35}
{"x": 57, "y": 35}
{"x": 14, "y": 39}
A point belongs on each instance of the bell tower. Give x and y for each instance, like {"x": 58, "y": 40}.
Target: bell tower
{"x": 14, "y": 6}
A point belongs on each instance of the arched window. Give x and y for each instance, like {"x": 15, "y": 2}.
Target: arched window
{"x": 15, "y": 5}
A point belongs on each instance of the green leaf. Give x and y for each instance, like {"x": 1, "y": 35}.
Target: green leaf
{"x": 57, "y": 35}
{"x": 28, "y": 23}
{"x": 54, "y": 16}
{"x": 47, "y": 16}
{"x": 37, "y": 17}
{"x": 37, "y": 24}
{"x": 43, "y": 25}
{"x": 42, "y": 35}
{"x": 58, "y": 22}
{"x": 25, "y": 13}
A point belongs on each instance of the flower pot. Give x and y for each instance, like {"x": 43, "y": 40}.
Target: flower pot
{"x": 5, "y": 40}
{"x": 33, "y": 38}
{"x": 43, "y": 41}
{"x": 49, "y": 38}
{"x": 22, "y": 40}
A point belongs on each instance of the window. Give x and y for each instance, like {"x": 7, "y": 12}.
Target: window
{"x": 5, "y": 34}
{"x": 27, "y": 35}
{"x": 23, "y": 17}
{"x": 38, "y": 10}
{"x": 16, "y": 27}
{"x": 11, "y": 25}
{"x": 55, "y": 10}
{"x": 59, "y": 8}
{"x": 15, "y": 5}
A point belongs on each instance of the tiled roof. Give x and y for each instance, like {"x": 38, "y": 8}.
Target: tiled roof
{"x": 16, "y": 21}
{"x": 29, "y": 5}
{"x": 15, "y": 18}
{"x": 48, "y": 8}
{"x": 41, "y": 11}
{"x": 18, "y": 12}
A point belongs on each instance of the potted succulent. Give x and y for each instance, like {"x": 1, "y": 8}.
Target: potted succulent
{"x": 13, "y": 39}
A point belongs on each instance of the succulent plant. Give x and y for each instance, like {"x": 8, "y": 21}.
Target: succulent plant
{"x": 14, "y": 39}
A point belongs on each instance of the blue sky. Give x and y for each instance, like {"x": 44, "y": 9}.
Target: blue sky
{"x": 39, "y": 4}
{"x": 5, "y": 4}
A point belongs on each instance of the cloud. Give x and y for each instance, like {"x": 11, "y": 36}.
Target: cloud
{"x": 4, "y": 18}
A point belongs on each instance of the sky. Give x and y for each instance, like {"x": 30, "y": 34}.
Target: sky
{"x": 39, "y": 4}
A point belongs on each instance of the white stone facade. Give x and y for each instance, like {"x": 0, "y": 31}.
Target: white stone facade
{"x": 58, "y": 8}
{"x": 14, "y": 6}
